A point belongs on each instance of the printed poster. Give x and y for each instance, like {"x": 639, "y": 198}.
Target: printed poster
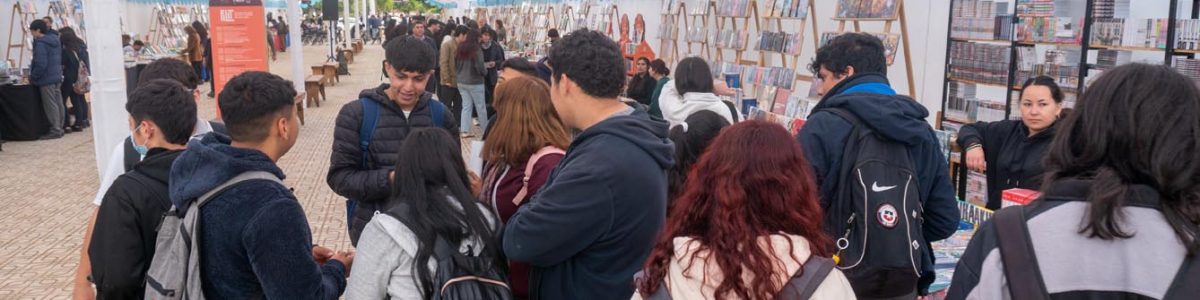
{"x": 239, "y": 39}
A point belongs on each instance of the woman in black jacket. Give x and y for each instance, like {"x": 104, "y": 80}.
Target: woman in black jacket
{"x": 1010, "y": 152}
{"x": 74, "y": 55}
{"x": 641, "y": 86}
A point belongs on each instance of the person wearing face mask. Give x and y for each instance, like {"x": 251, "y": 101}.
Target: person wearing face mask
{"x": 159, "y": 115}
{"x": 1010, "y": 152}
{"x": 125, "y": 155}
{"x": 370, "y": 130}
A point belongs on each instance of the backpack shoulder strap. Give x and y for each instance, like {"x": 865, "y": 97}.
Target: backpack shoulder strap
{"x": 547, "y": 150}
{"x": 806, "y": 280}
{"x": 1020, "y": 262}
{"x": 733, "y": 111}
{"x": 148, "y": 181}
{"x": 437, "y": 111}
{"x": 845, "y": 114}
{"x": 246, "y": 176}
{"x": 366, "y": 131}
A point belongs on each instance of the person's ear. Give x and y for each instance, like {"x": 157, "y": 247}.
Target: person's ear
{"x": 849, "y": 72}
{"x": 282, "y": 127}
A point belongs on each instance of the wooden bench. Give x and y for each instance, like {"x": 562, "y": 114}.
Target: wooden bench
{"x": 349, "y": 55}
{"x": 358, "y": 45}
{"x": 328, "y": 71}
{"x": 315, "y": 89}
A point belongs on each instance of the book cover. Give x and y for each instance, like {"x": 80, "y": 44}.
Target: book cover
{"x": 781, "y": 101}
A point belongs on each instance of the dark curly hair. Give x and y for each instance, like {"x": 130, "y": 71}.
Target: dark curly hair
{"x": 168, "y": 104}
{"x": 251, "y": 101}
{"x": 408, "y": 54}
{"x": 173, "y": 69}
{"x": 862, "y": 51}
{"x": 592, "y": 60}
{"x": 659, "y": 66}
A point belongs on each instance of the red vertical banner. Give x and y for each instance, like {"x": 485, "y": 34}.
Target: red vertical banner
{"x": 239, "y": 39}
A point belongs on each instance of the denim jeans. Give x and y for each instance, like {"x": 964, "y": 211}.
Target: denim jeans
{"x": 473, "y": 100}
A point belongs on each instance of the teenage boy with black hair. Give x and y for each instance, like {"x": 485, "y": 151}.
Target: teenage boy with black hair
{"x": 160, "y": 118}
{"x": 420, "y": 33}
{"x": 399, "y": 107}
{"x": 594, "y": 221}
{"x": 853, "y": 73}
{"x": 255, "y": 238}
{"x": 516, "y": 67}
{"x": 124, "y": 156}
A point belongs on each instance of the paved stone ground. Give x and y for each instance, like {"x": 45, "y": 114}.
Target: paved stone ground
{"x": 46, "y": 187}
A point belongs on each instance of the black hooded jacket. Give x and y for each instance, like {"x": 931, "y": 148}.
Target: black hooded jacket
{"x": 369, "y": 185}
{"x": 127, "y": 225}
{"x": 1014, "y": 159}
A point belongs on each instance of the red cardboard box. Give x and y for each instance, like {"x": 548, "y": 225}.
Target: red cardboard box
{"x": 1018, "y": 197}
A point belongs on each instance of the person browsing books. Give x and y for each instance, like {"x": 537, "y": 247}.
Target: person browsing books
{"x": 1010, "y": 151}
{"x": 692, "y": 91}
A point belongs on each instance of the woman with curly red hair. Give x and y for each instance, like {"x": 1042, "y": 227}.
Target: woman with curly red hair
{"x": 745, "y": 223}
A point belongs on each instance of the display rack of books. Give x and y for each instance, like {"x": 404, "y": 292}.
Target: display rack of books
{"x": 23, "y": 13}
{"x": 732, "y": 37}
{"x": 886, "y": 11}
{"x": 565, "y": 19}
{"x": 65, "y": 14}
{"x": 697, "y": 30}
{"x": 779, "y": 40}
{"x": 673, "y": 18}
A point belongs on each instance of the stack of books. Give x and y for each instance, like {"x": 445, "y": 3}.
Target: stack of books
{"x": 867, "y": 9}
{"x": 986, "y": 63}
{"x": 733, "y": 8}
{"x": 1050, "y": 30}
{"x": 668, "y": 30}
{"x": 1035, "y": 8}
{"x": 1188, "y": 67}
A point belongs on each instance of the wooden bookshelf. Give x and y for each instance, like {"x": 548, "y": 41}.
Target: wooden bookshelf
{"x": 887, "y": 30}
{"x": 811, "y": 16}
{"x": 751, "y": 13}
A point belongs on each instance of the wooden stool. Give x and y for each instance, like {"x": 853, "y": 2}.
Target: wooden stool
{"x": 300, "y": 112}
{"x": 314, "y": 89}
{"x": 349, "y": 55}
{"x": 320, "y": 70}
{"x": 331, "y": 71}
{"x": 358, "y": 46}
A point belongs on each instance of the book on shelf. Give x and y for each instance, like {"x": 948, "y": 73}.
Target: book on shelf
{"x": 697, "y": 34}
{"x": 867, "y": 9}
{"x": 668, "y": 30}
{"x": 1064, "y": 30}
{"x": 1035, "y": 8}
{"x": 733, "y": 8}
{"x": 668, "y": 7}
{"x": 701, "y": 9}
{"x": 781, "y": 42}
{"x": 979, "y": 62}
{"x": 1188, "y": 67}
{"x": 788, "y": 9}
{"x": 1187, "y": 34}
{"x": 732, "y": 39}
{"x": 1141, "y": 33}
{"x": 891, "y": 42}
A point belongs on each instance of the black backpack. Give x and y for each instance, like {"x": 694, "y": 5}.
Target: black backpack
{"x": 876, "y": 214}
{"x": 460, "y": 275}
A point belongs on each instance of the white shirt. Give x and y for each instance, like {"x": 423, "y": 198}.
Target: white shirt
{"x": 116, "y": 161}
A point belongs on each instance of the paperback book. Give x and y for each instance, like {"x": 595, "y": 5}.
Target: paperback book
{"x": 867, "y": 9}
{"x": 788, "y": 9}
{"x": 781, "y": 42}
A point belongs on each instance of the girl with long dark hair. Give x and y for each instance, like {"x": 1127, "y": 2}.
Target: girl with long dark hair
{"x": 691, "y": 91}
{"x": 470, "y": 73}
{"x": 431, "y": 200}
{"x": 74, "y": 56}
{"x": 1120, "y": 205}
{"x": 641, "y": 85}
{"x": 746, "y": 222}
{"x": 1010, "y": 151}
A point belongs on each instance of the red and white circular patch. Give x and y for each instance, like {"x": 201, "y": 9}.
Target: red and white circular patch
{"x": 887, "y": 216}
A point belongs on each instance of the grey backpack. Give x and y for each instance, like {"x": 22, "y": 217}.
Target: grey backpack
{"x": 175, "y": 271}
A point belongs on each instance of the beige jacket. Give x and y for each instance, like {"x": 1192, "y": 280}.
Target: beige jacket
{"x": 691, "y": 284}
{"x": 446, "y": 62}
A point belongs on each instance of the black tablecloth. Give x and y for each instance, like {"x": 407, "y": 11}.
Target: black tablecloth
{"x": 21, "y": 115}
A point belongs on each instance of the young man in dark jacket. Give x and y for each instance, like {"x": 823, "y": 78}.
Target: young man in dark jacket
{"x": 254, "y": 237}
{"x": 591, "y": 226}
{"x": 126, "y": 225}
{"x": 853, "y": 75}
{"x": 46, "y": 72}
{"x": 401, "y": 106}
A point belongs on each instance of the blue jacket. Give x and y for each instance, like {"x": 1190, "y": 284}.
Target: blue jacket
{"x": 594, "y": 222}
{"x": 900, "y": 118}
{"x": 47, "y": 65}
{"x": 255, "y": 239}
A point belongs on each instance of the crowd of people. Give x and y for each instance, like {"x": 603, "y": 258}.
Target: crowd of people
{"x": 59, "y": 70}
{"x": 673, "y": 195}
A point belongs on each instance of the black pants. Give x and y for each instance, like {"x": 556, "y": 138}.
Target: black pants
{"x": 450, "y": 97}
{"x": 79, "y": 104}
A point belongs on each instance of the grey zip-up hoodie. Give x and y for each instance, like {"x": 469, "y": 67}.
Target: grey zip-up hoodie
{"x": 470, "y": 71}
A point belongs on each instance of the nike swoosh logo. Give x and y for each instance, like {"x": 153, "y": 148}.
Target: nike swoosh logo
{"x": 876, "y": 188}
